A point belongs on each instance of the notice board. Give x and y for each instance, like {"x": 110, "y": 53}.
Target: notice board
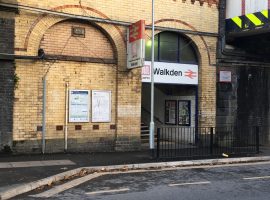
{"x": 101, "y": 106}
{"x": 79, "y": 105}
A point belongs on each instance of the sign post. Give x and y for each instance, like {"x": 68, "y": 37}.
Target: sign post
{"x": 136, "y": 45}
{"x": 152, "y": 124}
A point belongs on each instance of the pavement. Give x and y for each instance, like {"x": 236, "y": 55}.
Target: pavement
{"x": 22, "y": 173}
{"x": 19, "y": 175}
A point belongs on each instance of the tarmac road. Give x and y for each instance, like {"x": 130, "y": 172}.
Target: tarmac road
{"x": 243, "y": 182}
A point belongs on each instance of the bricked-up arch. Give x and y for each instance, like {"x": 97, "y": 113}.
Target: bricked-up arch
{"x": 44, "y": 22}
{"x": 93, "y": 46}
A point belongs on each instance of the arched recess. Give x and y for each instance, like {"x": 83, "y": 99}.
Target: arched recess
{"x": 207, "y": 73}
{"x": 43, "y": 23}
{"x": 199, "y": 41}
{"x": 205, "y": 56}
{"x": 179, "y": 49}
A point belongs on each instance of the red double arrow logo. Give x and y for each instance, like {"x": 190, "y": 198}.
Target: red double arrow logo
{"x": 190, "y": 74}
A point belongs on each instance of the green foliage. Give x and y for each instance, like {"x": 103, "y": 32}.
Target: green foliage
{"x": 16, "y": 80}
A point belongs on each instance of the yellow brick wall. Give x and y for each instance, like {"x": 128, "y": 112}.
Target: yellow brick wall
{"x": 34, "y": 31}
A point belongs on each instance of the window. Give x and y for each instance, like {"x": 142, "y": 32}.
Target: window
{"x": 178, "y": 112}
{"x": 148, "y": 49}
{"x": 172, "y": 47}
{"x": 184, "y": 113}
{"x": 187, "y": 53}
{"x": 168, "y": 47}
{"x": 170, "y": 112}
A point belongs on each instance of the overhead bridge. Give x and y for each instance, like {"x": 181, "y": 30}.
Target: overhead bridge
{"x": 249, "y": 22}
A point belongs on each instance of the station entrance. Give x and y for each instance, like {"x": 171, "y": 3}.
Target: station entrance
{"x": 175, "y": 106}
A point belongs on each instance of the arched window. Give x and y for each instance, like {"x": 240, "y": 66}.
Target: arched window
{"x": 172, "y": 47}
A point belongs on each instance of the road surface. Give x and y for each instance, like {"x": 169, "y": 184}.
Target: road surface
{"x": 242, "y": 182}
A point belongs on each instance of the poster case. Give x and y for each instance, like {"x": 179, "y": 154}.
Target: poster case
{"x": 184, "y": 115}
{"x": 101, "y": 106}
{"x": 170, "y": 112}
{"x": 79, "y": 105}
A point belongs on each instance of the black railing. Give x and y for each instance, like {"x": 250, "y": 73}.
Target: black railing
{"x": 187, "y": 142}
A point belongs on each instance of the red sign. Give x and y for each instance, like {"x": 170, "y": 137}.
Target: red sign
{"x": 136, "y": 31}
{"x": 146, "y": 70}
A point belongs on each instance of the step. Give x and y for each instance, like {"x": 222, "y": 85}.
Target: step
{"x": 144, "y": 131}
{"x": 147, "y": 134}
{"x": 146, "y": 140}
{"x": 144, "y": 127}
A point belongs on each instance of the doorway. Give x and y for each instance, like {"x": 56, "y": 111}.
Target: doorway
{"x": 175, "y": 106}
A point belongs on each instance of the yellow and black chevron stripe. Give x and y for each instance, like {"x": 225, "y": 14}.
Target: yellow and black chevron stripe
{"x": 248, "y": 21}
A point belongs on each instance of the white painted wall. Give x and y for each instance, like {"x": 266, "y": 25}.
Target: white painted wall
{"x": 233, "y": 8}
{"x": 253, "y": 6}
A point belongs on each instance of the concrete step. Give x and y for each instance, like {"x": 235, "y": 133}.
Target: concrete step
{"x": 144, "y": 131}
{"x": 146, "y": 140}
{"x": 147, "y": 135}
{"x": 144, "y": 127}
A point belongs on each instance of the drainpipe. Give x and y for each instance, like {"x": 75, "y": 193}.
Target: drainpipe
{"x": 152, "y": 123}
{"x": 41, "y": 55}
{"x": 44, "y": 113}
{"x": 66, "y": 118}
{"x": 8, "y": 56}
{"x": 221, "y": 50}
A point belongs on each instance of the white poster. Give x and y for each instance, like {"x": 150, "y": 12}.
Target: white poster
{"x": 171, "y": 73}
{"x": 79, "y": 104}
{"x": 101, "y": 106}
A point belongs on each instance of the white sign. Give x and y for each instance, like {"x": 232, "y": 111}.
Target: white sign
{"x": 171, "y": 73}
{"x": 136, "y": 45}
{"x": 79, "y": 104}
{"x": 101, "y": 106}
{"x": 225, "y": 76}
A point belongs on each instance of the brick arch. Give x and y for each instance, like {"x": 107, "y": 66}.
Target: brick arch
{"x": 198, "y": 40}
{"x": 44, "y": 22}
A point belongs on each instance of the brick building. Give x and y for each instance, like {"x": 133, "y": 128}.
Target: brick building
{"x": 81, "y": 45}
{"x": 243, "y": 51}
{"x": 7, "y": 76}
